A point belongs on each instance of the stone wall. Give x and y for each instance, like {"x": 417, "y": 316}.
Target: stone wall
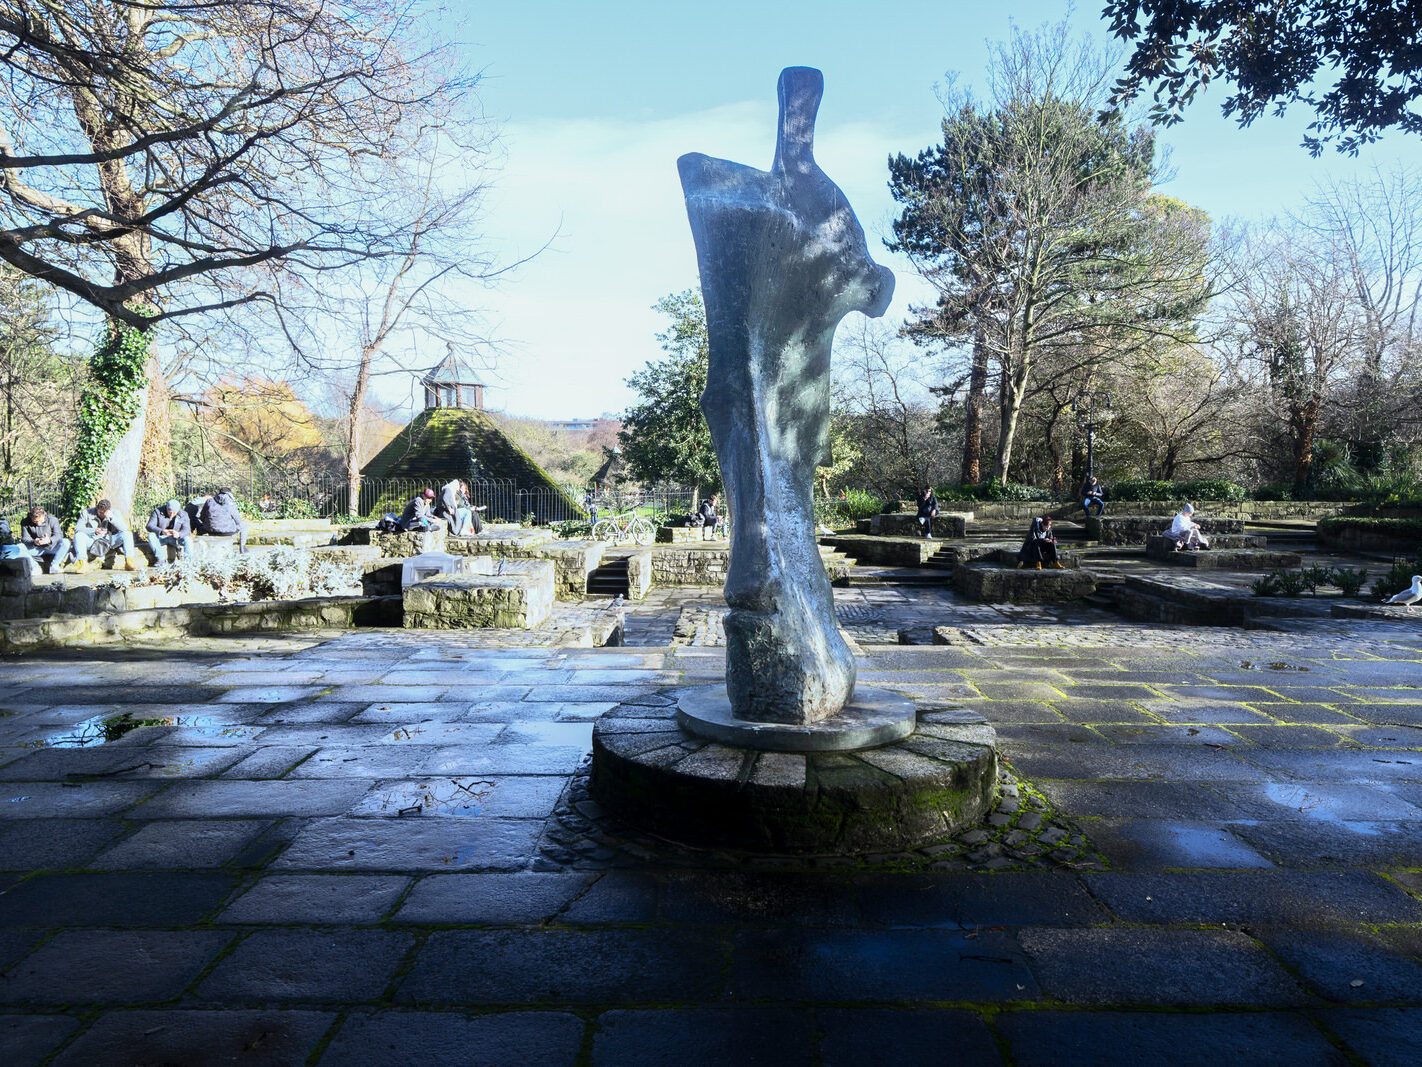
{"x": 690, "y": 566}
{"x": 639, "y": 573}
{"x": 198, "y": 620}
{"x": 1371, "y": 535}
{"x": 573, "y": 560}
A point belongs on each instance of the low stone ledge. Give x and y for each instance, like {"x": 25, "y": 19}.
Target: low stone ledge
{"x": 884, "y": 550}
{"x": 989, "y": 584}
{"x": 1233, "y": 559}
{"x": 198, "y": 620}
{"x": 518, "y": 596}
{"x": 924, "y": 789}
{"x": 1164, "y": 548}
{"x": 905, "y": 524}
{"x": 1138, "y": 529}
{"x": 683, "y": 535}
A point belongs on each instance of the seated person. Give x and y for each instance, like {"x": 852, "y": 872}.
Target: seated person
{"x": 43, "y": 539}
{"x": 1185, "y": 531}
{"x": 1093, "y": 493}
{"x": 1039, "y": 546}
{"x": 169, "y": 525}
{"x": 927, "y": 510}
{"x": 419, "y": 512}
{"x": 220, "y": 518}
{"x": 710, "y": 517}
{"x": 454, "y": 508}
{"x": 100, "y": 531}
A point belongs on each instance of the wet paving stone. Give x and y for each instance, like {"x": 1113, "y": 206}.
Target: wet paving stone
{"x": 398, "y": 1038}
{"x": 852, "y": 1036}
{"x": 317, "y": 898}
{"x": 121, "y": 900}
{"x": 28, "y": 1039}
{"x": 111, "y": 967}
{"x": 551, "y": 966}
{"x": 310, "y": 966}
{"x": 1079, "y": 1038}
{"x": 246, "y": 1038}
{"x": 674, "y": 1036}
{"x": 1389, "y": 1037}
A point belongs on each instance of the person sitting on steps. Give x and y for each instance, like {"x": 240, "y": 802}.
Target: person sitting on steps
{"x": 710, "y": 516}
{"x": 1039, "y": 546}
{"x": 1186, "y": 532}
{"x": 101, "y": 531}
{"x": 168, "y": 525}
{"x": 1092, "y": 492}
{"x": 220, "y": 517}
{"x": 419, "y": 513}
{"x": 43, "y": 539}
{"x": 927, "y": 510}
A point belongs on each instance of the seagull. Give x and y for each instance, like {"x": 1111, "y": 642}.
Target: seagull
{"x": 1409, "y": 596}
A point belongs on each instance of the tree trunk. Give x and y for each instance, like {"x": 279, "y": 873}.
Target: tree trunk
{"x": 155, "y": 461}
{"x": 355, "y": 431}
{"x": 121, "y": 472}
{"x": 1013, "y": 391}
{"x": 1305, "y": 421}
{"x": 973, "y": 413}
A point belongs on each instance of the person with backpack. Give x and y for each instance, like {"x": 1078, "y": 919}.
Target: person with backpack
{"x": 221, "y": 518}
{"x": 101, "y": 530}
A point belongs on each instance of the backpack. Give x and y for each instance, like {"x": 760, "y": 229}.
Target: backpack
{"x": 389, "y": 523}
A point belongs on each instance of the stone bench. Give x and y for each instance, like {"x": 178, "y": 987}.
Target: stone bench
{"x": 884, "y": 551}
{"x": 988, "y": 584}
{"x": 1138, "y": 529}
{"x": 1008, "y": 557}
{"x": 905, "y": 524}
{"x": 509, "y": 594}
{"x": 1233, "y": 559}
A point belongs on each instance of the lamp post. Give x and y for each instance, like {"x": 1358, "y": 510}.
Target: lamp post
{"x": 1085, "y": 408}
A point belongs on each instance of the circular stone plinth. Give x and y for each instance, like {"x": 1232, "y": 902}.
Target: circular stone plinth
{"x": 874, "y": 717}
{"x": 648, "y": 770}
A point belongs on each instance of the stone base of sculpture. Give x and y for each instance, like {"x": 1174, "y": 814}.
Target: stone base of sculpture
{"x": 651, "y": 772}
{"x": 873, "y": 717}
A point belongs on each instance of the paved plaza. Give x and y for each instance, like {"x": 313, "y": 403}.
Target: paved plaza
{"x": 376, "y": 848}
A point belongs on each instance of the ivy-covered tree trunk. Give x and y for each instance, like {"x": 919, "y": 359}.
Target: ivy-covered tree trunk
{"x": 111, "y": 417}
{"x": 155, "y": 460}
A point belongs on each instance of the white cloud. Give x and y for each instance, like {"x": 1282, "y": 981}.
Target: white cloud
{"x": 579, "y": 317}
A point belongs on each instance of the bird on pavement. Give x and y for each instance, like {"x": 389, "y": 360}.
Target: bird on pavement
{"x": 1408, "y": 596}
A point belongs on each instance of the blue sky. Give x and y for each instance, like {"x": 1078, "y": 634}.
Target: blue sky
{"x": 596, "y": 102}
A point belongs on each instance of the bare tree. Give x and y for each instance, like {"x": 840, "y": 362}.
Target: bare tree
{"x": 164, "y": 158}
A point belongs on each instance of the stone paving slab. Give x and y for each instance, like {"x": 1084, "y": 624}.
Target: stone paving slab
{"x": 1214, "y": 842}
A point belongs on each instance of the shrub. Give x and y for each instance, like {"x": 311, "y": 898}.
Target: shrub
{"x": 1350, "y": 581}
{"x": 297, "y": 509}
{"x": 859, "y": 504}
{"x": 1398, "y": 577}
{"x": 572, "y": 528}
{"x": 279, "y": 573}
{"x": 1265, "y": 585}
{"x": 992, "y": 491}
{"x": 1206, "y": 489}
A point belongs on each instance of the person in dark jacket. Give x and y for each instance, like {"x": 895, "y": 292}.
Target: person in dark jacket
{"x": 44, "y": 539}
{"x": 168, "y": 525}
{"x": 100, "y": 531}
{"x": 220, "y": 518}
{"x": 419, "y": 512}
{"x": 710, "y": 513}
{"x": 927, "y": 510}
{"x": 1092, "y": 494}
{"x": 1039, "y": 546}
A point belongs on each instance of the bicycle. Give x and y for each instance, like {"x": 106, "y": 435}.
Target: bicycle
{"x": 628, "y": 526}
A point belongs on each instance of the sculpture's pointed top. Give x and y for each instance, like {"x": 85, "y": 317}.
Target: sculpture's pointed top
{"x": 800, "y": 91}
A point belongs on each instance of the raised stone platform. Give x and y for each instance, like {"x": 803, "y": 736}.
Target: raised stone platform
{"x": 573, "y": 560}
{"x": 513, "y": 594}
{"x": 1138, "y": 529}
{"x": 650, "y": 772}
{"x": 873, "y": 717}
{"x": 884, "y": 551}
{"x": 990, "y": 584}
{"x": 903, "y": 524}
{"x": 1231, "y": 559}
{"x": 1164, "y": 548}
{"x": 686, "y": 535}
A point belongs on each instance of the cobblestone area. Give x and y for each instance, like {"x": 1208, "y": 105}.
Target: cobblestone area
{"x": 373, "y": 848}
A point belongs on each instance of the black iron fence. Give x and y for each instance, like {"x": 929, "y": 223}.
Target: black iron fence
{"x": 322, "y": 495}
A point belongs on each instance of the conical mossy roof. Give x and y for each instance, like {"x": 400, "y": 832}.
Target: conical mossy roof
{"x": 444, "y": 443}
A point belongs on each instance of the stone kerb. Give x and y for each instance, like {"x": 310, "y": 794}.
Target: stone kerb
{"x": 1164, "y": 548}
{"x": 1138, "y": 529}
{"x": 683, "y": 535}
{"x": 947, "y": 524}
{"x": 1224, "y": 554}
{"x": 519, "y": 596}
{"x": 921, "y": 790}
{"x": 989, "y": 584}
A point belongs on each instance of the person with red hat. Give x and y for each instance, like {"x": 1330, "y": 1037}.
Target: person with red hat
{"x": 419, "y": 513}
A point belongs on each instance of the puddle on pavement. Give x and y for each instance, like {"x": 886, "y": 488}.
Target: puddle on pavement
{"x": 106, "y": 729}
{"x": 458, "y": 797}
{"x": 1276, "y": 665}
{"x": 1316, "y": 805}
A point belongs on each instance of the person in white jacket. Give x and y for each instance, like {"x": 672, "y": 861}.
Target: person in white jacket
{"x": 1185, "y": 531}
